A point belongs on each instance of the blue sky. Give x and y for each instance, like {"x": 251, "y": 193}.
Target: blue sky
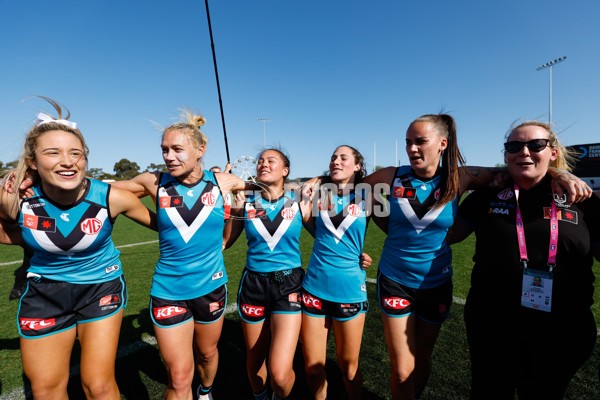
{"x": 326, "y": 72}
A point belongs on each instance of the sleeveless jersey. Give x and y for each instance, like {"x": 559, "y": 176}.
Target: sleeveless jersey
{"x": 273, "y": 233}
{"x": 190, "y": 233}
{"x": 334, "y": 272}
{"x": 71, "y": 244}
{"x": 415, "y": 253}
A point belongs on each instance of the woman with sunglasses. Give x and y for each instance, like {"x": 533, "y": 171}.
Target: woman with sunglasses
{"x": 533, "y": 263}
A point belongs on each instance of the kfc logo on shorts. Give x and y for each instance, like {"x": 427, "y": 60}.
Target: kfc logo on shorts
{"x": 35, "y": 324}
{"x": 395, "y": 303}
{"x": 208, "y": 199}
{"x": 91, "y": 226}
{"x": 354, "y": 210}
{"x": 110, "y": 299}
{"x": 311, "y": 302}
{"x": 288, "y": 213}
{"x": 168, "y": 312}
{"x": 293, "y": 297}
{"x": 505, "y": 194}
{"x": 253, "y": 311}
{"x": 214, "y": 306}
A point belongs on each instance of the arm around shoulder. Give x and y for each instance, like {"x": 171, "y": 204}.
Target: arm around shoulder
{"x": 126, "y": 203}
{"x": 145, "y": 184}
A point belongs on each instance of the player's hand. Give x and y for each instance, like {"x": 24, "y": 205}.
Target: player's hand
{"x": 365, "y": 261}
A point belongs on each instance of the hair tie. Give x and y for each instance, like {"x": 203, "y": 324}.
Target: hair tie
{"x": 45, "y": 119}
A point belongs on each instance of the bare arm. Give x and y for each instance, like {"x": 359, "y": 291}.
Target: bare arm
{"x": 126, "y": 203}
{"x": 564, "y": 181}
{"x": 380, "y": 192}
{"x": 235, "y": 225}
{"x": 145, "y": 184}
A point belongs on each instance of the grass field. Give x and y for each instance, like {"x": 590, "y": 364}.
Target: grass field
{"x": 141, "y": 374}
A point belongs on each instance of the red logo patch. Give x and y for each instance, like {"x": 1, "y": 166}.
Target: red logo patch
{"x": 91, "y": 226}
{"x": 293, "y": 297}
{"x": 505, "y": 194}
{"x": 310, "y": 301}
{"x": 108, "y": 300}
{"x": 208, "y": 199}
{"x": 251, "y": 214}
{"x": 288, "y": 213}
{"x": 253, "y": 311}
{"x": 404, "y": 192}
{"x": 34, "y": 324}
{"x": 437, "y": 193}
{"x": 214, "y": 306}
{"x": 354, "y": 210}
{"x": 396, "y": 303}
{"x": 168, "y": 312}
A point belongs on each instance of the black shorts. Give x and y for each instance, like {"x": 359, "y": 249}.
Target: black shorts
{"x": 261, "y": 294}
{"x": 204, "y": 309}
{"x": 48, "y": 307}
{"x": 430, "y": 305}
{"x": 317, "y": 307}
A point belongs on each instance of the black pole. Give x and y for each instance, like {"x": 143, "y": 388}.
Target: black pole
{"x": 212, "y": 45}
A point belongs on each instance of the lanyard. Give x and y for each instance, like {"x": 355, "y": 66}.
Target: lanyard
{"x": 553, "y": 233}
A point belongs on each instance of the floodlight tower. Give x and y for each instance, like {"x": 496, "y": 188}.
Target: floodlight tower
{"x": 549, "y": 65}
{"x": 264, "y": 121}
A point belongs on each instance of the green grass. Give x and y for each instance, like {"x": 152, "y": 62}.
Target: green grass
{"x": 141, "y": 374}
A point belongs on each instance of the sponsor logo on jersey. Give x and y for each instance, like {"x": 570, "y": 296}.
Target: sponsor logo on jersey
{"x": 363, "y": 287}
{"x": 288, "y": 213}
{"x": 190, "y": 193}
{"x": 310, "y": 301}
{"x": 437, "y": 194}
{"x": 171, "y": 201}
{"x": 208, "y": 199}
{"x": 405, "y": 192}
{"x": 215, "y": 306}
{"x": 293, "y": 297}
{"x": 505, "y": 194}
{"x": 217, "y": 275}
{"x": 110, "y": 269}
{"x": 322, "y": 207}
{"x": 563, "y": 215}
{"x": 36, "y": 223}
{"x": 498, "y": 210}
{"x": 64, "y": 217}
{"x": 395, "y": 303}
{"x": 561, "y": 200}
{"x": 354, "y": 210}
{"x": 34, "y": 205}
{"x": 110, "y": 299}
{"x": 168, "y": 312}
{"x": 34, "y": 324}
{"x": 91, "y": 226}
{"x": 253, "y": 311}
{"x": 254, "y": 213}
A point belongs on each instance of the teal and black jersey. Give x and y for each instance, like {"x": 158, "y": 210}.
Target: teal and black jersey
{"x": 190, "y": 232}
{"x": 71, "y": 244}
{"x": 273, "y": 232}
{"x": 334, "y": 273}
{"x": 415, "y": 253}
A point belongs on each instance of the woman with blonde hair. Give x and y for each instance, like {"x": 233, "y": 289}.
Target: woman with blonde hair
{"x": 528, "y": 318}
{"x": 75, "y": 282}
{"x": 188, "y": 293}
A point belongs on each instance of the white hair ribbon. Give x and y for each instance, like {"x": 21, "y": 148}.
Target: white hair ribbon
{"x": 45, "y": 118}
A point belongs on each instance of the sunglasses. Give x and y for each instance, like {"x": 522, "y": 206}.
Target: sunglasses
{"x": 535, "y": 145}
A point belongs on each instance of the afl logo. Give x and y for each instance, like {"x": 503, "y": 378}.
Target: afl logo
{"x": 288, "y": 213}
{"x": 91, "y": 226}
{"x": 208, "y": 199}
{"x": 354, "y": 210}
{"x": 505, "y": 194}
{"x": 437, "y": 193}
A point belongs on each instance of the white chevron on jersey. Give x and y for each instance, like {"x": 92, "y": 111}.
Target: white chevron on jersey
{"x": 281, "y": 229}
{"x": 338, "y": 233}
{"x": 418, "y": 224}
{"x": 186, "y": 231}
{"x": 44, "y": 241}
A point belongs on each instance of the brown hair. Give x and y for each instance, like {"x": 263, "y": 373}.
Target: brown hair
{"x": 445, "y": 126}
